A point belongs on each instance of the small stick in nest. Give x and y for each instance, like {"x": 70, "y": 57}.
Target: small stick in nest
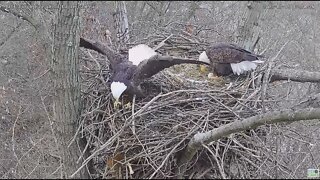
{"x": 133, "y": 122}
{"x": 267, "y": 77}
{"x": 162, "y": 43}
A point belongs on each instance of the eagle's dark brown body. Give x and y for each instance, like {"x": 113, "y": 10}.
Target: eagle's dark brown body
{"x": 229, "y": 53}
{"x": 228, "y": 58}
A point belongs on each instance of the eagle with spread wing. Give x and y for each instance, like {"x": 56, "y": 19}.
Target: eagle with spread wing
{"x": 129, "y": 71}
{"x": 226, "y": 59}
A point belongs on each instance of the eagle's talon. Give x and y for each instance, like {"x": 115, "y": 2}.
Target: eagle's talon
{"x": 128, "y": 105}
{"x": 215, "y": 78}
{"x": 116, "y": 104}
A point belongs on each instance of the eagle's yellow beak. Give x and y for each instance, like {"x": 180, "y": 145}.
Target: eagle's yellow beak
{"x": 203, "y": 69}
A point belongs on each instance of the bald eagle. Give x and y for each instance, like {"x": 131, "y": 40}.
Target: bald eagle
{"x": 129, "y": 71}
{"x": 226, "y": 59}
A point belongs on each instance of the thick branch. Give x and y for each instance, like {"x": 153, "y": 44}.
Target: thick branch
{"x": 237, "y": 126}
{"x": 295, "y": 75}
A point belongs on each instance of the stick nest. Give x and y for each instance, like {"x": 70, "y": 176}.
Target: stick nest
{"x": 144, "y": 142}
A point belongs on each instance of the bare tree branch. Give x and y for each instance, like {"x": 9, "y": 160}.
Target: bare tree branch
{"x": 162, "y": 43}
{"x": 295, "y": 75}
{"x": 265, "y": 79}
{"x": 250, "y": 123}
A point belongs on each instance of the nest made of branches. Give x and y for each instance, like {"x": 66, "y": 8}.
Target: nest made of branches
{"x": 145, "y": 141}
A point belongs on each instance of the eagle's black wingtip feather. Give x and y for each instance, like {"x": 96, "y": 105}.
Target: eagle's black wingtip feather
{"x": 89, "y": 45}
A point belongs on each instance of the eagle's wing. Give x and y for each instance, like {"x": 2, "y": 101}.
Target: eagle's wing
{"x": 157, "y": 63}
{"x": 139, "y": 53}
{"x": 229, "y": 53}
{"x": 91, "y": 45}
{"x": 113, "y": 57}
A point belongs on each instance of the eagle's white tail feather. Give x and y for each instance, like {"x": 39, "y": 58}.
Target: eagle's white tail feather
{"x": 239, "y": 68}
{"x": 258, "y": 61}
{"x": 139, "y": 53}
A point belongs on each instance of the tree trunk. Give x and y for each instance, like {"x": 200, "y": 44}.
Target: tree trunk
{"x": 65, "y": 75}
{"x": 121, "y": 22}
{"x": 248, "y": 32}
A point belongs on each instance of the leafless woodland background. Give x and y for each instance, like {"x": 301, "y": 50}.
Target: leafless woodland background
{"x": 27, "y": 146}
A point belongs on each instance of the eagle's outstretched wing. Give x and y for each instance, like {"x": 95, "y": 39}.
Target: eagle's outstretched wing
{"x": 113, "y": 57}
{"x": 229, "y": 53}
{"x": 157, "y": 63}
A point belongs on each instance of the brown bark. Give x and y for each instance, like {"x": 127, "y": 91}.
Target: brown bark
{"x": 65, "y": 75}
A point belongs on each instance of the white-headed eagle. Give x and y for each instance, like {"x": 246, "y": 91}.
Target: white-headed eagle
{"x": 129, "y": 71}
{"x": 226, "y": 59}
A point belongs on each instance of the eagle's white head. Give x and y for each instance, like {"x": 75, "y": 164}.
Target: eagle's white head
{"x": 117, "y": 88}
{"x": 203, "y": 57}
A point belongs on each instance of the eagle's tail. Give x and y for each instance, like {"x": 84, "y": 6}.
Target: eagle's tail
{"x": 253, "y": 57}
{"x": 260, "y": 55}
{"x": 258, "y": 61}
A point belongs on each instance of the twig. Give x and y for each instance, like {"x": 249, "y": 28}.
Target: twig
{"x": 41, "y": 75}
{"x": 116, "y": 135}
{"x": 162, "y": 43}
{"x": 266, "y": 77}
{"x": 95, "y": 60}
{"x": 133, "y": 121}
{"x": 172, "y": 150}
{"x": 215, "y": 158}
{"x": 13, "y": 133}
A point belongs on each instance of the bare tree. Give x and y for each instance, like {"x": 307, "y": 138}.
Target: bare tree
{"x": 62, "y": 54}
